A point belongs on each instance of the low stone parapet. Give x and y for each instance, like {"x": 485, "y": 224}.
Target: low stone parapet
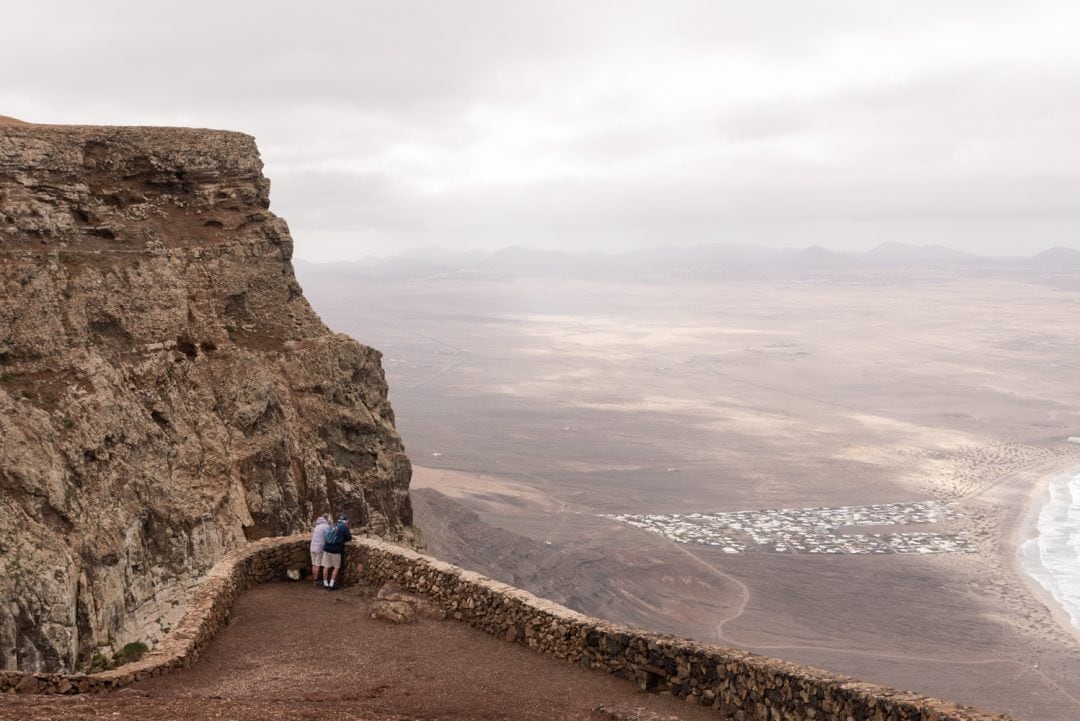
{"x": 208, "y": 611}
{"x": 742, "y": 686}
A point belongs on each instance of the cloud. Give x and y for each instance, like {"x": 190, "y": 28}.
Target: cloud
{"x": 606, "y": 124}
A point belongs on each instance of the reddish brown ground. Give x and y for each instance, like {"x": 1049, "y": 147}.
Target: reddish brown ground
{"x": 295, "y": 652}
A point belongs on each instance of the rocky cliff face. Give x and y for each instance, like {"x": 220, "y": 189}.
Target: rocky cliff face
{"x": 166, "y": 391}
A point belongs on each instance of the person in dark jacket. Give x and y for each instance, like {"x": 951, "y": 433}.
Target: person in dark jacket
{"x": 332, "y": 550}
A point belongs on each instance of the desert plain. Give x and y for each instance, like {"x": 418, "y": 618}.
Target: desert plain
{"x": 542, "y": 414}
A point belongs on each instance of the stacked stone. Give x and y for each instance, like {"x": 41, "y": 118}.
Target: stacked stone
{"x": 742, "y": 686}
{"x": 208, "y": 611}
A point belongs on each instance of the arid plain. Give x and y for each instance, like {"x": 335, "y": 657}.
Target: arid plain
{"x": 535, "y": 410}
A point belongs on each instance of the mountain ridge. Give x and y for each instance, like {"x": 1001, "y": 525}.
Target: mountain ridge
{"x": 705, "y": 260}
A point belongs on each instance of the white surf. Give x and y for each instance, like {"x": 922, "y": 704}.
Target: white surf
{"x": 1052, "y": 557}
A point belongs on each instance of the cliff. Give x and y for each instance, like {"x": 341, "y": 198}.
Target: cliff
{"x": 166, "y": 392}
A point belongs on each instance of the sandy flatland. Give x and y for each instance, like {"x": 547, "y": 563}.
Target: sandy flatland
{"x": 539, "y": 406}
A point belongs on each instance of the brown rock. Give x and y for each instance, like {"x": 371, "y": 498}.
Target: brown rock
{"x": 28, "y": 684}
{"x": 166, "y": 392}
{"x": 421, "y": 605}
{"x": 632, "y": 713}
{"x": 393, "y": 611}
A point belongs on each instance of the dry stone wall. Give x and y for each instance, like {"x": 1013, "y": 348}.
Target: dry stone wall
{"x": 742, "y": 686}
{"x": 257, "y": 562}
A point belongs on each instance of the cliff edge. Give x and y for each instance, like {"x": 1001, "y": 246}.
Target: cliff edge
{"x": 166, "y": 392}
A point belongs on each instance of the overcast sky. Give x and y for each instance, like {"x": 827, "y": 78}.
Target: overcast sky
{"x": 598, "y": 125}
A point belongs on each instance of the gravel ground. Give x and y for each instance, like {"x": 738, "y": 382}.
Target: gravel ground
{"x": 295, "y": 652}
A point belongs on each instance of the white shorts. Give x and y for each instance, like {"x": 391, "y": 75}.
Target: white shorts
{"x": 316, "y": 558}
{"x": 331, "y": 560}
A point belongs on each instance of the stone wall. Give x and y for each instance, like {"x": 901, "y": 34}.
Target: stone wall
{"x": 257, "y": 562}
{"x": 740, "y": 685}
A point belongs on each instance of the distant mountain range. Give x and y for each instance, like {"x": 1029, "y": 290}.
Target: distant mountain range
{"x": 1064, "y": 258}
{"x": 712, "y": 260}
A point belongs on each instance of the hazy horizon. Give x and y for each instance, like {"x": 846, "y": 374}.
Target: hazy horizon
{"x": 420, "y": 250}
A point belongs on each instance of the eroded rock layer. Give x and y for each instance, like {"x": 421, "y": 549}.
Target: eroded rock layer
{"x": 166, "y": 391}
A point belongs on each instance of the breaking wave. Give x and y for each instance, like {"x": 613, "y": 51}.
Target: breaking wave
{"x": 1052, "y": 557}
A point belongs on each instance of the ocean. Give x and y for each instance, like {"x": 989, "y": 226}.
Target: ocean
{"x": 1052, "y": 557}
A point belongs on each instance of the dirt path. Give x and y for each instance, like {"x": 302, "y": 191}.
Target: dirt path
{"x": 744, "y": 593}
{"x": 295, "y": 652}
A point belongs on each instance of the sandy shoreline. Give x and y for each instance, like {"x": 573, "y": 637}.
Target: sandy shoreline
{"x": 1025, "y": 529}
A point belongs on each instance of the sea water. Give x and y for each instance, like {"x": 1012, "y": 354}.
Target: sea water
{"x": 1052, "y": 557}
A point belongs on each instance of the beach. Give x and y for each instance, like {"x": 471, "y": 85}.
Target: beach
{"x": 1045, "y": 547}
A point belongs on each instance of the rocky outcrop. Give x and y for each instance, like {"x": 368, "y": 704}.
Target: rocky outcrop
{"x": 166, "y": 392}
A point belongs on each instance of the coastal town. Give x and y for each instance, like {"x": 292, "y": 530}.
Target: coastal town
{"x": 811, "y": 530}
